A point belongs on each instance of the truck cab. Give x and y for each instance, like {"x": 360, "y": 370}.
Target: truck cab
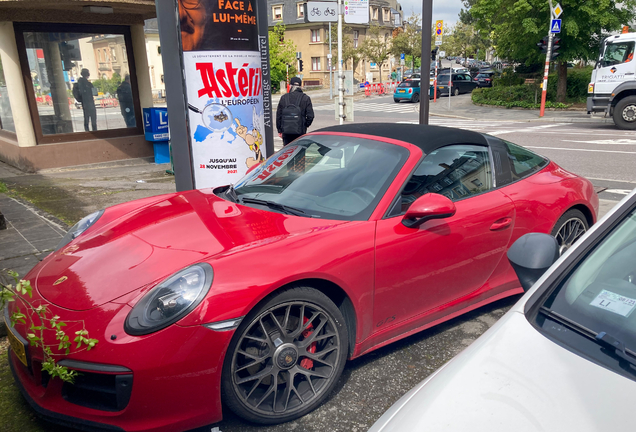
{"x": 613, "y": 86}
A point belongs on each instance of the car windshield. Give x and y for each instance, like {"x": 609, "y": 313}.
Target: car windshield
{"x": 600, "y": 294}
{"x": 409, "y": 84}
{"x": 325, "y": 176}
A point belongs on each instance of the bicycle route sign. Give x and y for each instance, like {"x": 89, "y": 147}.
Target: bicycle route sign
{"x": 318, "y": 11}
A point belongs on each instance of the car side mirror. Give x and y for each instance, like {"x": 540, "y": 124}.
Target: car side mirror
{"x": 531, "y": 255}
{"x": 428, "y": 206}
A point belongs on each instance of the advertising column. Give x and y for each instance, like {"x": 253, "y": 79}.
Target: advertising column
{"x": 224, "y": 88}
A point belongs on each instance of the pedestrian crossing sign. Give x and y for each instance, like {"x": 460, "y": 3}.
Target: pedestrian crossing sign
{"x": 555, "y": 26}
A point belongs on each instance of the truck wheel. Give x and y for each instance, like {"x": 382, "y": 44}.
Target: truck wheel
{"x": 625, "y": 113}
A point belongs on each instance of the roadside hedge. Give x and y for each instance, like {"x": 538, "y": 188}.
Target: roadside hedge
{"x": 578, "y": 80}
{"x": 518, "y": 96}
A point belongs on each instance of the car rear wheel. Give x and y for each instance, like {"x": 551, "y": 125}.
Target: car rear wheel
{"x": 456, "y": 92}
{"x": 415, "y": 98}
{"x": 569, "y": 228}
{"x": 285, "y": 357}
{"x": 396, "y": 100}
{"x": 625, "y": 113}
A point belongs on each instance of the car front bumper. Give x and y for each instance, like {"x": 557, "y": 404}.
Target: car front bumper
{"x": 175, "y": 375}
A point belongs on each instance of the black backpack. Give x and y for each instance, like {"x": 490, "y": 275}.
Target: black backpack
{"x": 293, "y": 122}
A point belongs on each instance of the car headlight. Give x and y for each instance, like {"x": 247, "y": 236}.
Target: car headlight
{"x": 79, "y": 228}
{"x": 170, "y": 301}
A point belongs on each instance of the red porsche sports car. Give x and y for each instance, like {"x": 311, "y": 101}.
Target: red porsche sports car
{"x": 256, "y": 294}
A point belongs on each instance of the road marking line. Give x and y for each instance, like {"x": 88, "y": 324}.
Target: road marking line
{"x": 618, "y": 191}
{"x": 583, "y": 150}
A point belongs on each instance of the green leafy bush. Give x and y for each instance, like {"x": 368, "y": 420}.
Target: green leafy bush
{"x": 507, "y": 78}
{"x": 578, "y": 80}
{"x": 519, "y": 96}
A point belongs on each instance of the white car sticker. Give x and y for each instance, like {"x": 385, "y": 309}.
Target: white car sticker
{"x": 614, "y": 303}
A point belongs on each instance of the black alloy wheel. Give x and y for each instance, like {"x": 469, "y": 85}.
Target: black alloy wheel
{"x": 396, "y": 100}
{"x": 285, "y": 358}
{"x": 415, "y": 98}
{"x": 625, "y": 113}
{"x": 569, "y": 228}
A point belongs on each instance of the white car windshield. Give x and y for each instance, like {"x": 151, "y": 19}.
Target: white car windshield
{"x": 326, "y": 176}
{"x": 599, "y": 296}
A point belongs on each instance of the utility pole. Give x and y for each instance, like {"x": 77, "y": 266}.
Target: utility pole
{"x": 340, "y": 73}
{"x": 427, "y": 23}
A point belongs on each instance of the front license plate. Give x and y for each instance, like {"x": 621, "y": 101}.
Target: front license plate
{"x": 19, "y": 348}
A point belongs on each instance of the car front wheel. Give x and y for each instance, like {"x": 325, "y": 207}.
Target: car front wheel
{"x": 569, "y": 228}
{"x": 285, "y": 357}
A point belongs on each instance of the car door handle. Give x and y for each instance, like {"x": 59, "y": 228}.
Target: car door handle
{"x": 501, "y": 224}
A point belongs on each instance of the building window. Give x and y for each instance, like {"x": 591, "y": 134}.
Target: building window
{"x": 315, "y": 35}
{"x": 159, "y": 49}
{"x": 386, "y": 15}
{"x": 6, "y": 117}
{"x": 374, "y": 13}
{"x": 356, "y": 36}
{"x": 69, "y": 99}
{"x": 300, "y": 10}
{"x": 315, "y": 64}
{"x": 277, "y": 12}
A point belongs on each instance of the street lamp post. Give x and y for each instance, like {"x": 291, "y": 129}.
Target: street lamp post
{"x": 427, "y": 24}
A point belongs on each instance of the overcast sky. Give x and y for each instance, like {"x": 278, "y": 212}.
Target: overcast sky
{"x": 447, "y": 10}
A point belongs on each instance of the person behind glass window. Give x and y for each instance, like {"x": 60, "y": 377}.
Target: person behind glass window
{"x": 126, "y": 104}
{"x": 83, "y": 91}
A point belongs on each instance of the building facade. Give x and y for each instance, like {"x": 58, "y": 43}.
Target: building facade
{"x": 312, "y": 39}
{"x": 44, "y": 47}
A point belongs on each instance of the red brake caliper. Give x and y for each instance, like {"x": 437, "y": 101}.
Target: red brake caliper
{"x": 308, "y": 363}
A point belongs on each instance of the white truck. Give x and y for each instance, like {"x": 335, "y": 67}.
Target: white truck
{"x": 613, "y": 86}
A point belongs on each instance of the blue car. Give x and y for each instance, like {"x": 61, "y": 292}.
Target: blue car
{"x": 407, "y": 90}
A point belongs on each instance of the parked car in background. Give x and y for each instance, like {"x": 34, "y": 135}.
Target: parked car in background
{"x": 562, "y": 359}
{"x": 462, "y": 83}
{"x": 484, "y": 79}
{"x": 407, "y": 90}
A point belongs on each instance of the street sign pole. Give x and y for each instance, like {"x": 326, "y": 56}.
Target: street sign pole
{"x": 427, "y": 23}
{"x": 330, "y": 67}
{"x": 340, "y": 74}
{"x": 548, "y": 57}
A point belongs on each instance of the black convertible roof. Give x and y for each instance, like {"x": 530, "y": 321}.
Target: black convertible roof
{"x": 426, "y": 137}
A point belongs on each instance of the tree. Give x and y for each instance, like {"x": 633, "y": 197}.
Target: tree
{"x": 108, "y": 86}
{"x": 409, "y": 41}
{"x": 517, "y": 25}
{"x": 349, "y": 50}
{"x": 282, "y": 52}
{"x": 377, "y": 46}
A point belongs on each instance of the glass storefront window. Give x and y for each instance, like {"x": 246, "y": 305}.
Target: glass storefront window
{"x": 81, "y": 81}
{"x": 6, "y": 117}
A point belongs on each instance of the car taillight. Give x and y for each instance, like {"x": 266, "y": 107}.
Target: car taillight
{"x": 590, "y": 88}
{"x": 410, "y": 90}
{"x": 487, "y": 79}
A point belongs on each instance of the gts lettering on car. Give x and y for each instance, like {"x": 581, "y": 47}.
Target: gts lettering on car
{"x": 385, "y": 321}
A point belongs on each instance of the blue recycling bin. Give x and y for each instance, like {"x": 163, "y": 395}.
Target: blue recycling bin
{"x": 156, "y": 131}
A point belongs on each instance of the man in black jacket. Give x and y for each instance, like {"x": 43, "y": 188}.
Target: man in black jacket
{"x": 300, "y": 99}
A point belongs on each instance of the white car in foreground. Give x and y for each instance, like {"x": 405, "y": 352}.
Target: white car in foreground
{"x": 562, "y": 359}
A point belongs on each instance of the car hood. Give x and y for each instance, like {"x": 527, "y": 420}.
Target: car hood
{"x": 146, "y": 245}
{"x": 514, "y": 379}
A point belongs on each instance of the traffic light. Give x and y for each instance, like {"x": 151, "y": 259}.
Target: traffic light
{"x": 555, "y": 47}
{"x": 300, "y": 65}
{"x": 434, "y": 54}
{"x": 543, "y": 45}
